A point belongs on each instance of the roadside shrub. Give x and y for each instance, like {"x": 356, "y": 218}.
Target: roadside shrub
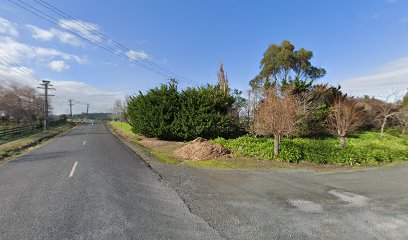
{"x": 153, "y": 114}
{"x": 166, "y": 113}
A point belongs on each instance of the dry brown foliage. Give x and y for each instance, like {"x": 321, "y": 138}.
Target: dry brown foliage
{"x": 20, "y": 103}
{"x": 279, "y": 114}
{"x": 344, "y": 119}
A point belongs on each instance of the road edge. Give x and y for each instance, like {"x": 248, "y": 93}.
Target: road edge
{"x": 152, "y": 163}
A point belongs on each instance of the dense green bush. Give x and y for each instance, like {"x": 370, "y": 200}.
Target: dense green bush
{"x": 166, "y": 113}
{"x": 363, "y": 148}
{"x": 153, "y": 114}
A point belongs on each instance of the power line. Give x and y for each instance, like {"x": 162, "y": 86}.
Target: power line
{"x": 100, "y": 34}
{"x": 144, "y": 63}
{"x": 92, "y": 40}
{"x": 21, "y": 69}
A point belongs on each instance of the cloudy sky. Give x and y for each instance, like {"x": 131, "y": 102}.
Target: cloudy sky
{"x": 362, "y": 44}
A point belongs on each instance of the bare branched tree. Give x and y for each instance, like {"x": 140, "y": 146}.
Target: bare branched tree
{"x": 21, "y": 103}
{"x": 119, "y": 110}
{"x": 279, "y": 114}
{"x": 386, "y": 110}
{"x": 223, "y": 79}
{"x": 344, "y": 119}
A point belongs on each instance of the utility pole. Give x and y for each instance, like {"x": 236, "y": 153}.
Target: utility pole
{"x": 87, "y": 109}
{"x": 46, "y": 86}
{"x": 70, "y": 109}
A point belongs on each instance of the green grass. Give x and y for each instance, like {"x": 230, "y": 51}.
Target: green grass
{"x": 362, "y": 148}
{"x": 122, "y": 125}
{"x": 125, "y": 127}
{"x": 165, "y": 158}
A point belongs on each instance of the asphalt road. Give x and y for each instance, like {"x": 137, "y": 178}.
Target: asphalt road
{"x": 109, "y": 194}
{"x": 296, "y": 204}
{"x": 112, "y": 194}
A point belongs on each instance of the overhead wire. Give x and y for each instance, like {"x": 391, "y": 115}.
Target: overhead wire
{"x": 90, "y": 39}
{"x": 18, "y": 68}
{"x": 102, "y": 35}
{"x": 94, "y": 37}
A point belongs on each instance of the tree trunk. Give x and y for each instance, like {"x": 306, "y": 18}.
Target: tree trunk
{"x": 276, "y": 145}
{"x": 382, "y": 126}
{"x": 342, "y": 142}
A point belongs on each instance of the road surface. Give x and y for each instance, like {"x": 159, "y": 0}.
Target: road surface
{"x": 87, "y": 185}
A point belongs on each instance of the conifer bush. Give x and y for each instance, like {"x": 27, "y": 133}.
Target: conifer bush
{"x": 167, "y": 113}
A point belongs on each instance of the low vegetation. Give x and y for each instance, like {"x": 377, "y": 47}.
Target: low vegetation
{"x": 363, "y": 148}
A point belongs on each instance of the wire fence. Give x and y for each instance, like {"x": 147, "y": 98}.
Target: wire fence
{"x": 13, "y": 132}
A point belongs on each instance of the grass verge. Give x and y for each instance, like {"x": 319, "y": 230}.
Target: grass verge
{"x": 364, "y": 149}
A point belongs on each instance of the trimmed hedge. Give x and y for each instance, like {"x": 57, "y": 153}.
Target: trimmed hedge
{"x": 166, "y": 113}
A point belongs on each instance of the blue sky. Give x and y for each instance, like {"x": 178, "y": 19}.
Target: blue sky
{"x": 362, "y": 44}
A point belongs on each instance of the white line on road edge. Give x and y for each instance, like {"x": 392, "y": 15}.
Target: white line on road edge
{"x": 73, "y": 169}
{"x": 84, "y": 143}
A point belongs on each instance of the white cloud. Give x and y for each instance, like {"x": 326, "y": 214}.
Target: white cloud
{"x": 19, "y": 51}
{"x": 58, "y": 65}
{"x": 47, "y": 35}
{"x": 133, "y": 54}
{"x": 15, "y": 75}
{"x": 387, "y": 79}
{"x": 99, "y": 100}
{"x": 40, "y": 34}
{"x": 85, "y": 29}
{"x": 8, "y": 28}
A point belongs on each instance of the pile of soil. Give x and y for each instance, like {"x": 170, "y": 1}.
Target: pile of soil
{"x": 201, "y": 149}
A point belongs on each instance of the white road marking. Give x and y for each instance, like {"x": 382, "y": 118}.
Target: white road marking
{"x": 352, "y": 198}
{"x": 84, "y": 143}
{"x": 73, "y": 169}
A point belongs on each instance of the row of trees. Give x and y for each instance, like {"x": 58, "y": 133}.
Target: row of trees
{"x": 20, "y": 104}
{"x": 288, "y": 103}
{"x": 284, "y": 101}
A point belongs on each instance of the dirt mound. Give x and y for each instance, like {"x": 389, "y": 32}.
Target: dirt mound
{"x": 201, "y": 149}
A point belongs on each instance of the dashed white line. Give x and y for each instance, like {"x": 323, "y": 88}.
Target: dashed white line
{"x": 73, "y": 169}
{"x": 84, "y": 143}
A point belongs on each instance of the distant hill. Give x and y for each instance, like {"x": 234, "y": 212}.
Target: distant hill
{"x": 96, "y": 116}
